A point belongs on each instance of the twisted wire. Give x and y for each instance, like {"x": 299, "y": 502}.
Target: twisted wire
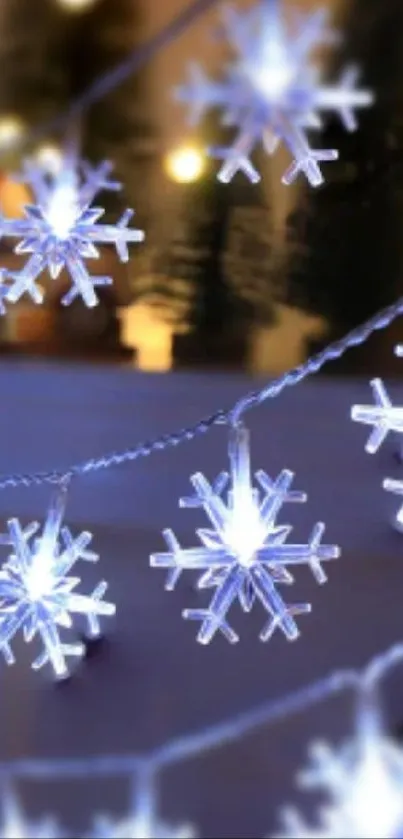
{"x": 255, "y": 398}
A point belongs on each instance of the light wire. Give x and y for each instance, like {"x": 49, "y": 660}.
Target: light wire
{"x": 270, "y": 390}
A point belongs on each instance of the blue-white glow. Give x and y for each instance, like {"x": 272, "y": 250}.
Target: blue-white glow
{"x": 14, "y": 825}
{"x": 273, "y": 90}
{"x": 61, "y": 230}
{"x": 363, "y": 785}
{"x": 37, "y": 594}
{"x": 245, "y": 555}
{"x": 383, "y": 416}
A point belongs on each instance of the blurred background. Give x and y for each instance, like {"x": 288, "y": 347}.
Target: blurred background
{"x": 242, "y": 276}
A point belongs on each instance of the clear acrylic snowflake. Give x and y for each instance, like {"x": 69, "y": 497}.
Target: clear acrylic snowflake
{"x": 61, "y": 230}
{"x": 37, "y": 594}
{"x": 363, "y": 783}
{"x": 273, "y": 90}
{"x": 14, "y": 824}
{"x": 245, "y": 555}
{"x": 383, "y": 416}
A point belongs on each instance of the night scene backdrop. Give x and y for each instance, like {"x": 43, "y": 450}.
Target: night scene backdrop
{"x": 234, "y": 282}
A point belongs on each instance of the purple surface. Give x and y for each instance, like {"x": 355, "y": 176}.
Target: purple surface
{"x": 150, "y": 681}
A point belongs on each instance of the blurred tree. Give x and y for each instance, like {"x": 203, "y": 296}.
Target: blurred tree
{"x": 344, "y": 241}
{"x": 221, "y": 257}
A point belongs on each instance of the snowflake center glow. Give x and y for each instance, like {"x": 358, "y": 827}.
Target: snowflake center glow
{"x": 40, "y": 578}
{"x": 273, "y": 73}
{"x": 244, "y": 533}
{"x": 62, "y": 211}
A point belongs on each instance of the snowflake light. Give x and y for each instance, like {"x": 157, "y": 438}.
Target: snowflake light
{"x": 383, "y": 416}
{"x": 364, "y": 785}
{"x": 273, "y": 90}
{"x": 245, "y": 555}
{"x": 14, "y": 825}
{"x": 60, "y": 230}
{"x": 37, "y": 594}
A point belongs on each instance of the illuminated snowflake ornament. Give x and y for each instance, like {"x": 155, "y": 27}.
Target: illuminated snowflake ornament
{"x": 14, "y": 825}
{"x": 383, "y": 416}
{"x": 61, "y": 230}
{"x": 273, "y": 91}
{"x": 37, "y": 594}
{"x": 363, "y": 782}
{"x": 245, "y": 555}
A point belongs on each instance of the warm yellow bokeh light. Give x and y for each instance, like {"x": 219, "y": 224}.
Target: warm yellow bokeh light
{"x": 76, "y": 5}
{"x": 50, "y": 157}
{"x": 185, "y": 164}
{"x": 11, "y": 130}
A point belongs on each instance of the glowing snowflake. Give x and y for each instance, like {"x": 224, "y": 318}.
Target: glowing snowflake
{"x": 364, "y": 785}
{"x": 36, "y": 593}
{"x": 246, "y": 554}
{"x": 383, "y": 416}
{"x": 60, "y": 231}
{"x": 273, "y": 91}
{"x": 14, "y": 825}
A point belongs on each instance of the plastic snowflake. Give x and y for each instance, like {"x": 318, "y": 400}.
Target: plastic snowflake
{"x": 36, "y": 593}
{"x": 383, "y": 416}
{"x": 246, "y": 554}
{"x": 60, "y": 230}
{"x": 273, "y": 91}
{"x": 14, "y": 825}
{"x": 364, "y": 786}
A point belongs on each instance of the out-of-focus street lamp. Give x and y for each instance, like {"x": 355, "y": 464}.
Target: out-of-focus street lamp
{"x": 185, "y": 164}
{"x": 12, "y": 129}
{"x": 76, "y": 5}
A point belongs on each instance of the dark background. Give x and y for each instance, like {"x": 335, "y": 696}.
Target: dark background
{"x": 224, "y": 267}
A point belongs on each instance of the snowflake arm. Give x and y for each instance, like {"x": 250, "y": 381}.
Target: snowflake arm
{"x": 383, "y": 416}
{"x": 245, "y": 553}
{"x": 343, "y": 98}
{"x": 36, "y": 593}
{"x": 96, "y": 179}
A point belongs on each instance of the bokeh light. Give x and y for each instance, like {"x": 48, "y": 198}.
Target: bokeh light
{"x": 185, "y": 164}
{"x": 11, "y": 130}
